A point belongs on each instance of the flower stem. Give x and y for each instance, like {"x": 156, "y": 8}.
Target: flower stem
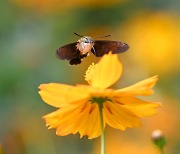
{"x": 162, "y": 151}
{"x": 102, "y": 129}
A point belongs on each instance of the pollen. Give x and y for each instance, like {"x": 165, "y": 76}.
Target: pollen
{"x": 89, "y": 73}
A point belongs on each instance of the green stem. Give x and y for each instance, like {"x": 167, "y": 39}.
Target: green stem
{"x": 102, "y": 129}
{"x": 162, "y": 151}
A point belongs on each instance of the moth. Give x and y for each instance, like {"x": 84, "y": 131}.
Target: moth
{"x": 75, "y": 52}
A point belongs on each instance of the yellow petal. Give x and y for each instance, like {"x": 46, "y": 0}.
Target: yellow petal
{"x": 105, "y": 73}
{"x": 119, "y": 117}
{"x": 54, "y": 119}
{"x": 137, "y": 106}
{"x": 141, "y": 88}
{"x": 91, "y": 125}
{"x": 72, "y": 119}
{"x": 59, "y": 95}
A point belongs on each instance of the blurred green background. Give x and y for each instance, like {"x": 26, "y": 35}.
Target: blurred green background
{"x": 30, "y": 33}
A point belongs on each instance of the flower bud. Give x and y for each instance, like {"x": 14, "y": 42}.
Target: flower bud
{"x": 158, "y": 138}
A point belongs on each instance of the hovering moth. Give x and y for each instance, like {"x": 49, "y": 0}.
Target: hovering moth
{"x": 75, "y": 52}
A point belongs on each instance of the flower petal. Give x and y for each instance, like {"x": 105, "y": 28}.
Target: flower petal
{"x": 55, "y": 118}
{"x": 59, "y": 95}
{"x": 106, "y": 72}
{"x": 91, "y": 125}
{"x": 137, "y": 106}
{"x": 119, "y": 117}
{"x": 141, "y": 88}
{"x": 72, "y": 119}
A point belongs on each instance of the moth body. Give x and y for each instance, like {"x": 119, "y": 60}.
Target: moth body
{"x": 85, "y": 44}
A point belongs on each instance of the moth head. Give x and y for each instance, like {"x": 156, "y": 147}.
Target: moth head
{"x": 86, "y": 39}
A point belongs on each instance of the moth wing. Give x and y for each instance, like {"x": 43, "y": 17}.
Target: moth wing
{"x": 75, "y": 61}
{"x": 68, "y": 51}
{"x": 104, "y": 46}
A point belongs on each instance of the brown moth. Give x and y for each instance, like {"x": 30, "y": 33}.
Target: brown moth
{"x": 76, "y": 51}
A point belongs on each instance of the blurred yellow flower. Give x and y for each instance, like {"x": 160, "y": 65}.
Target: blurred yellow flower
{"x": 155, "y": 41}
{"x": 78, "y": 106}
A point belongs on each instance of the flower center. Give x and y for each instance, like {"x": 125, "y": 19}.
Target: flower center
{"x": 99, "y": 100}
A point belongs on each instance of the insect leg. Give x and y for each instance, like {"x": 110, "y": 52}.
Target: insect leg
{"x": 94, "y": 50}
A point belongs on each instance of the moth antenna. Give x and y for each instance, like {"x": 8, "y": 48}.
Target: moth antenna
{"x": 102, "y": 36}
{"x": 78, "y": 35}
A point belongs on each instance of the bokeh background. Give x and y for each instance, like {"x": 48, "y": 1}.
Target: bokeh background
{"x": 30, "y": 33}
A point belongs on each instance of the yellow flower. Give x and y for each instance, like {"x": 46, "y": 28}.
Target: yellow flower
{"x": 160, "y": 43}
{"x": 78, "y": 106}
